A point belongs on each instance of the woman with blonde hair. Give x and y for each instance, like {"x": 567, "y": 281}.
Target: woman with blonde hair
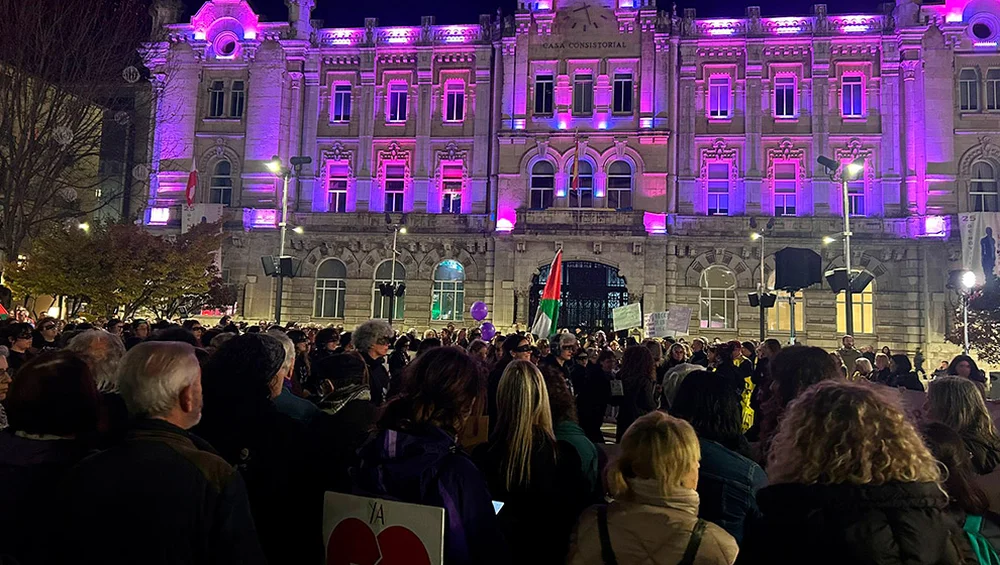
{"x": 862, "y": 370}
{"x": 958, "y": 403}
{"x": 539, "y": 479}
{"x": 851, "y": 481}
{"x": 654, "y": 518}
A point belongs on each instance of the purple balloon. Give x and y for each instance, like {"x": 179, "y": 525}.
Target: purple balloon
{"x": 488, "y": 331}
{"x": 479, "y": 311}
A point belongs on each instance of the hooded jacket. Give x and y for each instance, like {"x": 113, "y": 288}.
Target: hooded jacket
{"x": 894, "y": 523}
{"x": 985, "y": 455}
{"x": 426, "y": 466}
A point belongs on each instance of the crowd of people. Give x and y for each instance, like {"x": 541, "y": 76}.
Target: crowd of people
{"x": 172, "y": 443}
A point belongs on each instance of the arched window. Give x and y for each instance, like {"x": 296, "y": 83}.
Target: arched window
{"x": 385, "y": 273}
{"x": 583, "y": 195}
{"x": 448, "y": 300}
{"x": 864, "y": 310}
{"x": 983, "y": 188}
{"x": 543, "y": 183}
{"x": 779, "y": 318}
{"x": 331, "y": 289}
{"x": 718, "y": 298}
{"x": 620, "y": 186}
{"x": 221, "y": 187}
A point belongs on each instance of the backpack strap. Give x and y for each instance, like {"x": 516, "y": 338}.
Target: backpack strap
{"x": 607, "y": 553}
{"x": 694, "y": 543}
{"x": 985, "y": 554}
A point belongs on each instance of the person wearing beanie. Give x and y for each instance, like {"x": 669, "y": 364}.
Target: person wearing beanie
{"x": 274, "y": 453}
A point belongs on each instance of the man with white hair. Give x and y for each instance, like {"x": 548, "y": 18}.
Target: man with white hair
{"x": 287, "y": 402}
{"x": 163, "y": 494}
{"x": 103, "y": 352}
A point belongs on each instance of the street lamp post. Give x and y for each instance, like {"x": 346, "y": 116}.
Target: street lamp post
{"x": 285, "y": 173}
{"x": 758, "y": 235}
{"x": 393, "y": 290}
{"x": 851, "y": 169}
{"x": 963, "y": 281}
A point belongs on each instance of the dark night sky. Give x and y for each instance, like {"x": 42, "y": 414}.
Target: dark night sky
{"x": 351, "y": 13}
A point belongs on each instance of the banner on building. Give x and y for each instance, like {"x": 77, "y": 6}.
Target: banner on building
{"x": 199, "y": 214}
{"x": 980, "y": 232}
{"x": 627, "y": 317}
{"x": 359, "y": 529}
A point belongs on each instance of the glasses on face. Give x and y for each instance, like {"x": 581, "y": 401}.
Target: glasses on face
{"x": 569, "y": 348}
{"x": 384, "y": 341}
{"x": 522, "y": 349}
{"x": 48, "y": 327}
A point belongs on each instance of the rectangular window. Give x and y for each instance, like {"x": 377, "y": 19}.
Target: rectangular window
{"x": 395, "y": 186}
{"x": 623, "y": 94}
{"x": 852, "y": 96}
{"x": 718, "y": 189}
{"x": 784, "y": 189}
{"x": 856, "y": 196}
{"x": 583, "y": 94}
{"x": 397, "y": 102}
{"x": 784, "y": 97}
{"x": 968, "y": 90}
{"x": 451, "y": 189}
{"x": 341, "y": 103}
{"x": 544, "y": 88}
{"x": 864, "y": 311}
{"x": 237, "y": 96}
{"x": 993, "y": 89}
{"x": 217, "y": 100}
{"x": 983, "y": 188}
{"x": 339, "y": 177}
{"x": 718, "y": 97}
{"x": 454, "y": 105}
{"x": 780, "y": 319}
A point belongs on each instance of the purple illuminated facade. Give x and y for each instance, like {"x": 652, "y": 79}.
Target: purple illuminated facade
{"x": 629, "y": 137}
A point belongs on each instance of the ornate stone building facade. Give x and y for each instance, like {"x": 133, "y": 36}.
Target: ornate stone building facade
{"x": 642, "y": 143}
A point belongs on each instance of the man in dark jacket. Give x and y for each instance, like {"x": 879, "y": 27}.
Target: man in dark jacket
{"x": 564, "y": 347}
{"x": 163, "y": 495}
{"x": 372, "y": 339}
{"x": 698, "y": 355}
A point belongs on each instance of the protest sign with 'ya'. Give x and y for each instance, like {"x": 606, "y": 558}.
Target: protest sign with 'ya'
{"x": 371, "y": 531}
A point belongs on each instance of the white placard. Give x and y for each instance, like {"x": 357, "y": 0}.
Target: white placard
{"x": 656, "y": 325}
{"x": 679, "y": 319}
{"x": 358, "y": 529}
{"x": 627, "y": 317}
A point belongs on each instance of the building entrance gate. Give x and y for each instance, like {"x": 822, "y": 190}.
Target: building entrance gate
{"x": 590, "y": 291}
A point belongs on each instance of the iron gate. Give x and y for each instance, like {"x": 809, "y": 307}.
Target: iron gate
{"x": 590, "y": 291}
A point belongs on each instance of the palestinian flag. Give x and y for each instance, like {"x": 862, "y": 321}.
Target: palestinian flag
{"x": 548, "y": 308}
{"x": 3, "y": 313}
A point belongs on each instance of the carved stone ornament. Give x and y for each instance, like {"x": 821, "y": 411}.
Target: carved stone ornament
{"x": 542, "y": 144}
{"x": 620, "y": 144}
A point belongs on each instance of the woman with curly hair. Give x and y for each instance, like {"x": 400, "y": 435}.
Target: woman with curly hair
{"x": 852, "y": 482}
{"x": 958, "y": 403}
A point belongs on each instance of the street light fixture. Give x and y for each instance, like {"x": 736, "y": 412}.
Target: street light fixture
{"x": 299, "y": 230}
{"x": 848, "y": 173}
{"x": 763, "y": 300}
{"x": 284, "y": 173}
{"x": 84, "y": 226}
{"x": 963, "y": 281}
{"x": 828, "y": 239}
{"x": 392, "y": 289}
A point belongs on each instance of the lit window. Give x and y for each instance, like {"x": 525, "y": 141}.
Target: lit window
{"x": 852, "y": 96}
{"x": 983, "y": 188}
{"x": 543, "y": 183}
{"x": 341, "y": 103}
{"x": 620, "y": 186}
{"x": 237, "y": 97}
{"x": 718, "y": 189}
{"x": 784, "y": 97}
{"x": 781, "y": 317}
{"x": 221, "y": 187}
{"x": 623, "y": 94}
{"x": 451, "y": 189}
{"x": 395, "y": 186}
{"x": 386, "y": 273}
{"x": 217, "y": 100}
{"x": 968, "y": 90}
{"x": 718, "y": 97}
{"x": 331, "y": 289}
{"x": 993, "y": 89}
{"x": 864, "y": 310}
{"x": 448, "y": 299}
{"x": 784, "y": 189}
{"x": 583, "y": 94}
{"x": 581, "y": 192}
{"x": 544, "y": 85}
{"x": 717, "y": 303}
{"x": 338, "y": 178}
{"x": 454, "y": 102}
{"x": 397, "y": 102}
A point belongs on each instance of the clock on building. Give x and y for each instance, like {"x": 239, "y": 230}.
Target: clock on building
{"x": 582, "y": 18}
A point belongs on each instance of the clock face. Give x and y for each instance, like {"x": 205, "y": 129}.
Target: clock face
{"x": 583, "y": 18}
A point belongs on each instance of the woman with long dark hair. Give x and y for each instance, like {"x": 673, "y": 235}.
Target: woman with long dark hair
{"x": 965, "y": 367}
{"x": 958, "y": 403}
{"x": 638, "y": 375}
{"x": 415, "y": 456}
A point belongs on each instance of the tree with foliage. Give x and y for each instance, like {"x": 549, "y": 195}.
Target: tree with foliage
{"x": 62, "y": 62}
{"x": 984, "y": 324}
{"x": 119, "y": 269}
